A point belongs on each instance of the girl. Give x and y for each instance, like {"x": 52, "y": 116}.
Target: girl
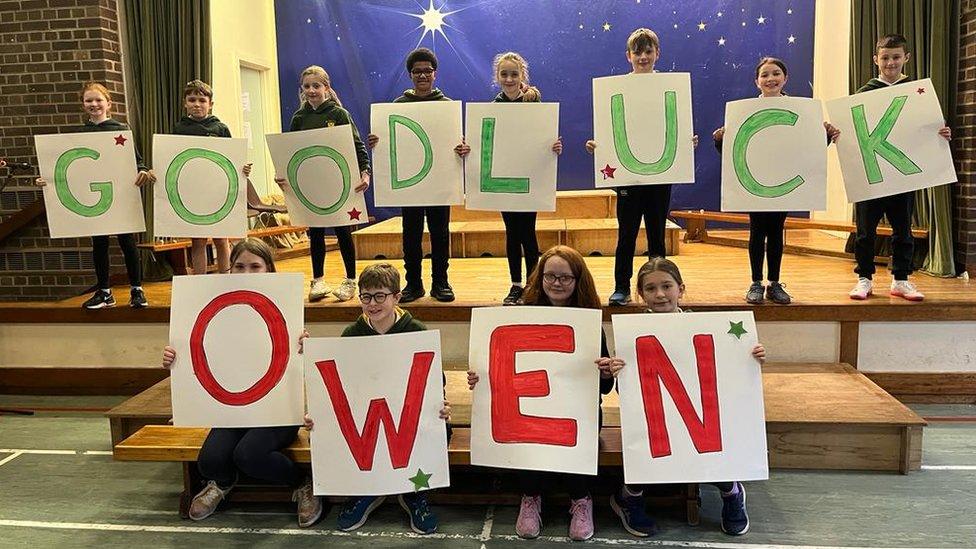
{"x": 766, "y": 228}
{"x": 255, "y": 451}
{"x": 512, "y": 74}
{"x": 561, "y": 280}
{"x": 321, "y": 108}
{"x": 97, "y": 105}
{"x": 659, "y": 284}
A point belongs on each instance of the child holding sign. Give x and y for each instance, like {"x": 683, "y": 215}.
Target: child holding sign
{"x": 96, "y": 102}
{"x": 562, "y": 279}
{"x": 512, "y": 74}
{"x": 650, "y": 202}
{"x": 321, "y": 108}
{"x": 766, "y": 228}
{"x": 891, "y": 54}
{"x": 256, "y": 452}
{"x": 660, "y": 286}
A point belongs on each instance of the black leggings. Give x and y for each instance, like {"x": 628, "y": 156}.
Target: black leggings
{"x": 535, "y": 483}
{"x": 650, "y": 202}
{"x": 766, "y": 238}
{"x": 316, "y": 243}
{"x": 256, "y": 452}
{"x": 100, "y": 256}
{"x": 520, "y": 237}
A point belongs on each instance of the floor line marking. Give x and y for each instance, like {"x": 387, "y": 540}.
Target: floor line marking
{"x": 98, "y": 452}
{"x": 9, "y": 458}
{"x": 39, "y": 452}
{"x": 949, "y": 467}
{"x": 489, "y": 522}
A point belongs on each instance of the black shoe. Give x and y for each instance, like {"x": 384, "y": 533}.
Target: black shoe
{"x": 620, "y": 297}
{"x": 99, "y": 300}
{"x": 777, "y": 294}
{"x": 755, "y": 293}
{"x": 412, "y": 293}
{"x": 138, "y": 300}
{"x": 514, "y": 295}
{"x": 442, "y": 292}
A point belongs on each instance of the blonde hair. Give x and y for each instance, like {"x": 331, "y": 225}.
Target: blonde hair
{"x": 323, "y": 77}
{"x": 641, "y": 39}
{"x": 529, "y": 93}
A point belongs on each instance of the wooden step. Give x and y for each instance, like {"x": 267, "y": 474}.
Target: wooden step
{"x": 599, "y": 237}
{"x": 487, "y": 238}
{"x": 569, "y": 205}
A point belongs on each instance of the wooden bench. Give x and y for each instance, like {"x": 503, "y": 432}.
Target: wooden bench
{"x": 696, "y": 230}
{"x": 178, "y": 250}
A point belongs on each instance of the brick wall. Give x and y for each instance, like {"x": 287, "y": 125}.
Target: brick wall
{"x": 964, "y": 142}
{"x": 48, "y": 48}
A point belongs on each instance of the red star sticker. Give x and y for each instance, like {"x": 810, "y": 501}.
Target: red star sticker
{"x": 920, "y": 91}
{"x": 120, "y": 140}
{"x": 354, "y": 214}
{"x": 608, "y": 172}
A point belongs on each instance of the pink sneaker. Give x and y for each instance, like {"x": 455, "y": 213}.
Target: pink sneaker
{"x": 529, "y": 521}
{"x": 907, "y": 290}
{"x": 581, "y": 525}
{"x": 862, "y": 290}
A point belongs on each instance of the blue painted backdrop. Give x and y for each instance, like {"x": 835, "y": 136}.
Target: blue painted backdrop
{"x": 363, "y": 45}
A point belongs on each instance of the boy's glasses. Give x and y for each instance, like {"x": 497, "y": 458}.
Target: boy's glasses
{"x": 422, "y": 72}
{"x": 378, "y": 297}
{"x": 551, "y": 278}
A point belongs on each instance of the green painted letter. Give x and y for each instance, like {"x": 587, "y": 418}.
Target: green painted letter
{"x": 311, "y": 152}
{"x": 626, "y": 156}
{"x": 753, "y": 125}
{"x": 173, "y": 188}
{"x": 103, "y": 188}
{"x": 491, "y": 184}
{"x": 424, "y": 141}
{"x": 873, "y": 143}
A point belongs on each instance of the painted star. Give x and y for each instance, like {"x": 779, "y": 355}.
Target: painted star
{"x": 606, "y": 26}
{"x": 120, "y": 140}
{"x": 420, "y": 480}
{"x": 761, "y": 19}
{"x": 736, "y": 329}
{"x": 701, "y": 25}
{"x": 920, "y": 91}
{"x": 608, "y": 172}
{"x": 354, "y": 213}
{"x": 721, "y": 41}
{"x": 791, "y": 39}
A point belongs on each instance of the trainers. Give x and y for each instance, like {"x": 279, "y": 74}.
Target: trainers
{"x": 137, "y": 299}
{"x": 735, "y": 521}
{"x": 309, "y": 505}
{"x": 632, "y": 515}
{"x": 412, "y": 293}
{"x": 755, "y": 293}
{"x": 205, "y": 503}
{"x": 318, "y": 290}
{"x": 514, "y": 295}
{"x": 422, "y": 519}
{"x": 863, "y": 289}
{"x": 345, "y": 291}
{"x": 442, "y": 292}
{"x": 620, "y": 297}
{"x": 529, "y": 522}
{"x": 99, "y": 300}
{"x": 777, "y": 294}
{"x": 581, "y": 523}
{"x": 355, "y": 512}
{"x": 907, "y": 290}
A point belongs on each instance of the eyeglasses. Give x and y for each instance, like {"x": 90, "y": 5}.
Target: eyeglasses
{"x": 424, "y": 72}
{"x": 378, "y": 297}
{"x": 550, "y": 278}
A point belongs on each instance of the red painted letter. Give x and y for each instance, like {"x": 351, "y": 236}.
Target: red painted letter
{"x": 280, "y": 351}
{"x": 399, "y": 439}
{"x": 653, "y": 364}
{"x": 508, "y": 423}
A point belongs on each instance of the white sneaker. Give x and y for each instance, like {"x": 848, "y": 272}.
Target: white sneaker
{"x": 907, "y": 290}
{"x": 346, "y": 289}
{"x": 319, "y": 290}
{"x": 863, "y": 289}
{"x": 205, "y": 503}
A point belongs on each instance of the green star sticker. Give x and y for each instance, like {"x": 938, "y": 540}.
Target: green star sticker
{"x": 420, "y": 480}
{"x": 736, "y": 329}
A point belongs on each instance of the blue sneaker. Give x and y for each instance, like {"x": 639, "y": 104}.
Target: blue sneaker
{"x": 355, "y": 512}
{"x": 632, "y": 515}
{"x": 735, "y": 521}
{"x": 620, "y": 297}
{"x": 422, "y": 519}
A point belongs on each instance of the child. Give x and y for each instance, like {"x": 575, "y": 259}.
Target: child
{"x": 561, "y": 280}
{"x": 198, "y": 102}
{"x": 97, "y": 104}
{"x": 422, "y": 66}
{"x": 254, "y": 451}
{"x": 766, "y": 228}
{"x": 890, "y": 56}
{"x": 659, "y": 284}
{"x": 321, "y": 108}
{"x": 379, "y": 292}
{"x": 512, "y": 74}
{"x": 652, "y": 202}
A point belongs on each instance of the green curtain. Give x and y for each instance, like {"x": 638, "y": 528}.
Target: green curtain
{"x": 932, "y": 30}
{"x": 167, "y": 44}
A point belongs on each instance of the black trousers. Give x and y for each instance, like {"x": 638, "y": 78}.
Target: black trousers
{"x": 316, "y": 243}
{"x": 520, "y": 239}
{"x": 650, "y": 202}
{"x": 898, "y": 208}
{"x": 256, "y": 452}
{"x": 766, "y": 238}
{"x": 536, "y": 483}
{"x": 438, "y": 223}
{"x": 100, "y": 257}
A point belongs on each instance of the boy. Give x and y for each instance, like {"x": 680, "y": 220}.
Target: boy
{"x": 422, "y": 66}
{"x": 890, "y": 56}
